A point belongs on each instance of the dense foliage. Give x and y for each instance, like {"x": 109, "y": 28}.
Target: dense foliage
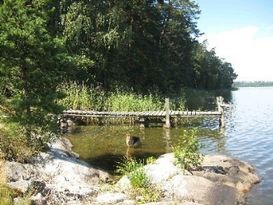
{"x": 32, "y": 63}
{"x": 145, "y": 47}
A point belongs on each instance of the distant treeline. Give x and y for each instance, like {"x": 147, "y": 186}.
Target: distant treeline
{"x": 253, "y": 84}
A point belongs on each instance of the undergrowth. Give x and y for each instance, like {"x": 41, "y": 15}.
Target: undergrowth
{"x": 84, "y": 97}
{"x": 186, "y": 152}
{"x": 14, "y": 144}
{"x": 140, "y": 182}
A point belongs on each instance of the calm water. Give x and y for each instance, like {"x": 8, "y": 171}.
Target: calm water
{"x": 248, "y": 136}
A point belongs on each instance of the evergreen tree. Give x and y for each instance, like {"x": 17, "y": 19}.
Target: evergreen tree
{"x": 32, "y": 63}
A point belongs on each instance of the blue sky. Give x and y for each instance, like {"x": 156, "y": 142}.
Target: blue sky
{"x": 241, "y": 31}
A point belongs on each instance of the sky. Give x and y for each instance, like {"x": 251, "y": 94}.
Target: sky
{"x": 241, "y": 31}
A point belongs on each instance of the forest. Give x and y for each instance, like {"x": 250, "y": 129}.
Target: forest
{"x": 144, "y": 47}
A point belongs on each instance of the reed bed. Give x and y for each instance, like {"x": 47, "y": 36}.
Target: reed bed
{"x": 83, "y": 97}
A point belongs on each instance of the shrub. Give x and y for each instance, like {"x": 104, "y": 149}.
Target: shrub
{"x": 135, "y": 171}
{"x": 139, "y": 180}
{"x": 14, "y": 144}
{"x": 187, "y": 151}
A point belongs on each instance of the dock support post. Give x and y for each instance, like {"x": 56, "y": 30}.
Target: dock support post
{"x": 143, "y": 122}
{"x": 167, "y": 108}
{"x": 220, "y": 102}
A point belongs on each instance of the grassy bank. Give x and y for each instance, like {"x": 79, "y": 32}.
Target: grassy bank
{"x": 80, "y": 96}
{"x": 83, "y": 97}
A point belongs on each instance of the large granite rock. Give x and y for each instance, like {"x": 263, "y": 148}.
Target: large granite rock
{"x": 221, "y": 180}
{"x": 56, "y": 177}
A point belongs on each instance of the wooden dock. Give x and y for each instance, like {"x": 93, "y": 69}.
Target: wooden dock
{"x": 86, "y": 113}
{"x": 143, "y": 117}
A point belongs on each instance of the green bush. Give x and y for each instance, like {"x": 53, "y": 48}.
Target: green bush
{"x": 139, "y": 180}
{"x": 135, "y": 171}
{"x": 14, "y": 145}
{"x": 128, "y": 166}
{"x": 187, "y": 151}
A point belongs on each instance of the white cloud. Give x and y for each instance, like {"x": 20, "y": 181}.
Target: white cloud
{"x": 249, "y": 50}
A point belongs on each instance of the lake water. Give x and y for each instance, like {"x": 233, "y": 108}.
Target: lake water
{"x": 248, "y": 136}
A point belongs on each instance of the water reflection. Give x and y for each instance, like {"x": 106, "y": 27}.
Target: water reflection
{"x": 248, "y": 136}
{"x": 105, "y": 146}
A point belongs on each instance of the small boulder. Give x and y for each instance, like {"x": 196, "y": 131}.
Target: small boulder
{"x": 111, "y": 198}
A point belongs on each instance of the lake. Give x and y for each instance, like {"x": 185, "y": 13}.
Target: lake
{"x": 248, "y": 136}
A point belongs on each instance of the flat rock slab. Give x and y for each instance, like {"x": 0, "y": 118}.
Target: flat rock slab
{"x": 221, "y": 180}
{"x": 60, "y": 177}
{"x": 234, "y": 173}
{"x": 111, "y": 198}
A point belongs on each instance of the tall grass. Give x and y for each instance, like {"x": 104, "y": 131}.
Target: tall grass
{"x": 125, "y": 101}
{"x": 84, "y": 97}
{"x": 80, "y": 96}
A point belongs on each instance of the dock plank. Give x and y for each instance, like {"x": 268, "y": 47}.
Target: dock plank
{"x": 92, "y": 113}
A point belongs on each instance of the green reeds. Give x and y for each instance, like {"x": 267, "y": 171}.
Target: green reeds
{"x": 125, "y": 101}
{"x": 81, "y": 97}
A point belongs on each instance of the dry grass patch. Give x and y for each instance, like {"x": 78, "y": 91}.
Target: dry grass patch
{"x": 5, "y": 192}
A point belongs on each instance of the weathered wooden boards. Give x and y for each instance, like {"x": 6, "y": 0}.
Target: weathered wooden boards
{"x": 167, "y": 114}
{"x": 83, "y": 113}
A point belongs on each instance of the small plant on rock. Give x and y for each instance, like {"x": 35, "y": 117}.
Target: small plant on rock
{"x": 135, "y": 171}
{"x": 187, "y": 153}
{"x": 139, "y": 180}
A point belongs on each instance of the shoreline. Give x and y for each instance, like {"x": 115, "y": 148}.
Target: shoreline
{"x": 58, "y": 177}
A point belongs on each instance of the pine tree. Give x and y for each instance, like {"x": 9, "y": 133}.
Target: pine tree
{"x": 32, "y": 63}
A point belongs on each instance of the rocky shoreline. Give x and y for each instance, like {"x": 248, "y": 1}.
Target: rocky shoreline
{"x": 58, "y": 177}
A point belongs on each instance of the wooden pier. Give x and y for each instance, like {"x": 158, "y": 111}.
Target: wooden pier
{"x": 165, "y": 117}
